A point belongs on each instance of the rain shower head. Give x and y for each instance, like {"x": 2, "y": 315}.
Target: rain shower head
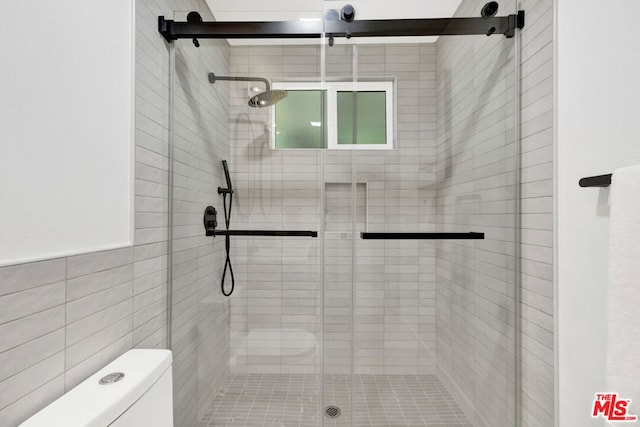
{"x": 267, "y": 98}
{"x": 263, "y": 99}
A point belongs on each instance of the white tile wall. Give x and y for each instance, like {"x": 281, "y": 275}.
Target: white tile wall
{"x": 275, "y": 319}
{"x": 394, "y": 318}
{"x": 537, "y": 215}
{"x": 473, "y": 290}
{"x": 200, "y": 313}
{"x": 475, "y": 280}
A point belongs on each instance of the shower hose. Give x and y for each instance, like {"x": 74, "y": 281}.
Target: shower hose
{"x": 227, "y": 246}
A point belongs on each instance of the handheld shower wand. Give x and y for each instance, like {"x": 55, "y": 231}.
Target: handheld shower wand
{"x": 227, "y": 221}
{"x": 210, "y": 224}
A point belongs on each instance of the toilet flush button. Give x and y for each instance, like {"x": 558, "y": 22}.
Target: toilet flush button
{"x": 111, "y": 378}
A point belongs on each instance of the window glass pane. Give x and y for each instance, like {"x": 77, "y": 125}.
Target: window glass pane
{"x": 370, "y": 117}
{"x": 299, "y": 120}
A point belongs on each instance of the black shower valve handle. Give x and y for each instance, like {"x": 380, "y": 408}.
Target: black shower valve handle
{"x": 210, "y": 220}
{"x": 225, "y": 190}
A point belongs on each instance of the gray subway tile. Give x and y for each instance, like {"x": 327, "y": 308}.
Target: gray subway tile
{"x": 86, "y": 306}
{"x": 93, "y": 323}
{"x": 21, "y": 277}
{"x": 25, "y": 329}
{"x": 23, "y": 408}
{"x": 32, "y": 352}
{"x": 93, "y": 344}
{"x": 25, "y": 303}
{"x": 89, "y": 284}
{"x": 98, "y": 261}
{"x": 28, "y": 380}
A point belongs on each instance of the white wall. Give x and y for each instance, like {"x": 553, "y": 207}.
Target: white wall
{"x": 66, "y": 105}
{"x": 598, "y": 125}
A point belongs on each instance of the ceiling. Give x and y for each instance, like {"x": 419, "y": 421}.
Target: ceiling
{"x": 293, "y": 10}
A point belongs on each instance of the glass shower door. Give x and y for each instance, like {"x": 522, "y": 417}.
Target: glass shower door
{"x": 393, "y": 281}
{"x": 421, "y": 331}
{"x": 276, "y": 310}
{"x": 477, "y": 157}
{"x": 253, "y": 357}
{"x": 360, "y": 326}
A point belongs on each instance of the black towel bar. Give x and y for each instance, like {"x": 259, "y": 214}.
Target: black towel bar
{"x": 596, "y": 181}
{"x": 416, "y": 236}
{"x": 278, "y": 233}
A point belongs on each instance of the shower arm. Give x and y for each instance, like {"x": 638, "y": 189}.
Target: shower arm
{"x": 213, "y": 78}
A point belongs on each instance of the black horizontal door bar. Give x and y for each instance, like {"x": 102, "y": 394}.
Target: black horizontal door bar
{"x": 506, "y": 25}
{"x": 419, "y": 27}
{"x": 172, "y": 30}
{"x": 416, "y": 236}
{"x": 280, "y": 233}
{"x": 596, "y": 181}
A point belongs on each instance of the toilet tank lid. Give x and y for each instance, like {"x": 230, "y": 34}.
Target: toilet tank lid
{"x": 92, "y": 404}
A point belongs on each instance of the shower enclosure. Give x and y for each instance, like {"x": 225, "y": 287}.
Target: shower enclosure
{"x": 383, "y": 287}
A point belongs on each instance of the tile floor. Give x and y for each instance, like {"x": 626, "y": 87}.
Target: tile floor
{"x": 287, "y": 400}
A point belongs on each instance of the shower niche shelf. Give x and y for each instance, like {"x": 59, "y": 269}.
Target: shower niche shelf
{"x": 422, "y": 236}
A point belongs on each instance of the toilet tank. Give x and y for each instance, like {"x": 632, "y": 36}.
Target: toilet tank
{"x": 140, "y": 398}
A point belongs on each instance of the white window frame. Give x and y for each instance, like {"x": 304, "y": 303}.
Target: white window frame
{"x": 332, "y": 89}
{"x": 332, "y": 113}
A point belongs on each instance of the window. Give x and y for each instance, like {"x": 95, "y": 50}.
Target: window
{"x": 336, "y": 115}
{"x": 298, "y": 119}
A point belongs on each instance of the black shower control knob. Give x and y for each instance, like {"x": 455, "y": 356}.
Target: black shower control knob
{"x": 348, "y": 13}
{"x": 210, "y": 221}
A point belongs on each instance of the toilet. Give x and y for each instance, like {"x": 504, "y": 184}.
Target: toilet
{"x": 142, "y": 397}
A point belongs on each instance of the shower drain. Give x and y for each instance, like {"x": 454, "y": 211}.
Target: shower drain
{"x": 332, "y": 411}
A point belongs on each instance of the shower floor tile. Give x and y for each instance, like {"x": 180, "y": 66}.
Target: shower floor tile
{"x": 292, "y": 400}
